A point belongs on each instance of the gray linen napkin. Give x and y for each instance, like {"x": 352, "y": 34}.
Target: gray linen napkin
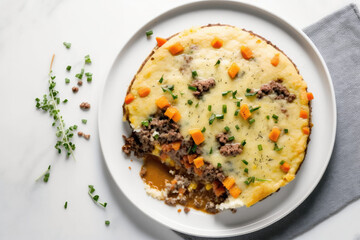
{"x": 338, "y": 39}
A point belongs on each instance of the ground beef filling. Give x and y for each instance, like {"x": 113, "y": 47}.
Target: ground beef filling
{"x": 277, "y": 88}
{"x": 200, "y": 188}
{"x": 227, "y": 148}
{"x": 202, "y": 86}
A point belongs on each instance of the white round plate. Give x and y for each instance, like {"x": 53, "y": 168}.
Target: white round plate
{"x": 289, "y": 39}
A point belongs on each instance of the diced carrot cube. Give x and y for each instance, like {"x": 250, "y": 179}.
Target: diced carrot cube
{"x": 233, "y": 70}
{"x": 176, "y": 145}
{"x": 228, "y": 182}
{"x": 197, "y": 136}
{"x": 175, "y": 49}
{"x": 285, "y": 167}
{"x": 274, "y": 134}
{"x": 275, "y": 60}
{"x": 310, "y": 96}
{"x": 198, "y": 162}
{"x": 217, "y": 43}
{"x": 170, "y": 111}
{"x": 129, "y": 98}
{"x": 245, "y": 111}
{"x": 160, "y": 41}
{"x": 177, "y": 116}
{"x": 235, "y": 191}
{"x": 144, "y": 91}
{"x": 306, "y": 130}
{"x": 303, "y": 114}
{"x": 162, "y": 102}
{"x": 246, "y": 52}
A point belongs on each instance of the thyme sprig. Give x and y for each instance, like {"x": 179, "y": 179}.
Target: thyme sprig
{"x": 46, "y": 175}
{"x": 96, "y": 197}
{"x": 50, "y": 104}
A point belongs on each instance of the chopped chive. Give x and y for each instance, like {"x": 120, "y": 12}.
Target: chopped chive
{"x": 227, "y": 128}
{"x": 261, "y": 180}
{"x": 254, "y": 109}
{"x": 84, "y": 121}
{"x": 238, "y": 103}
{"x": 211, "y": 119}
{"x": 193, "y": 149}
{"x": 219, "y": 165}
{"x": 67, "y": 45}
{"x": 276, "y": 148}
{"x": 234, "y": 94}
{"x": 282, "y": 162}
{"x": 145, "y": 123}
{"x": 217, "y": 62}
{"x": 244, "y": 161}
{"x": 197, "y": 105}
{"x": 209, "y": 108}
{"x": 190, "y": 102}
{"x": 251, "y": 121}
{"x": 87, "y": 59}
{"x": 243, "y": 142}
{"x": 65, "y": 206}
{"x": 224, "y": 108}
{"x": 260, "y": 147}
{"x": 276, "y": 117}
{"x": 236, "y": 113}
{"x": 211, "y": 151}
{"x": 237, "y": 127}
{"x": 107, "y": 222}
{"x": 161, "y": 79}
{"x": 68, "y": 68}
{"x": 156, "y": 136}
{"x": 248, "y": 90}
{"x": 250, "y": 94}
{"x": 149, "y": 33}
{"x": 231, "y": 138}
{"x": 203, "y": 129}
{"x": 192, "y": 88}
{"x": 286, "y": 130}
{"x": 268, "y": 117}
{"x": 67, "y": 80}
{"x": 225, "y": 93}
{"x": 194, "y": 74}
{"x": 219, "y": 116}
{"x": 246, "y": 170}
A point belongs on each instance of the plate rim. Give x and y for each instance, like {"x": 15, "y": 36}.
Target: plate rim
{"x": 225, "y": 233}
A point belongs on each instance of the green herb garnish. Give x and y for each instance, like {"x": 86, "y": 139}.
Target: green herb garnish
{"x": 67, "y": 80}
{"x": 84, "y": 121}
{"x": 88, "y": 76}
{"x": 193, "y": 149}
{"x": 250, "y": 94}
{"x": 276, "y": 148}
{"x": 211, "y": 151}
{"x": 107, "y": 222}
{"x": 225, "y": 93}
{"x": 192, "y": 88}
{"x": 87, "y": 59}
{"x": 219, "y": 165}
{"x": 169, "y": 89}
{"x": 145, "y": 123}
{"x": 243, "y": 142}
{"x": 65, "y": 206}
{"x": 244, "y": 161}
{"x": 209, "y": 108}
{"x": 260, "y": 147}
{"x": 254, "y": 109}
{"x": 217, "y": 62}
{"x": 67, "y": 45}
{"x": 232, "y": 138}
{"x": 224, "y": 108}
{"x": 46, "y": 175}
{"x": 282, "y": 162}
{"x": 65, "y": 101}
{"x": 50, "y": 104}
{"x": 246, "y": 170}
{"x": 203, "y": 129}
{"x": 190, "y": 102}
{"x": 238, "y": 103}
{"x": 268, "y": 117}
{"x": 237, "y": 127}
{"x": 251, "y": 121}
{"x": 219, "y": 116}
{"x": 236, "y": 113}
{"x": 149, "y": 33}
{"x": 197, "y": 105}
{"x": 161, "y": 79}
{"x": 68, "y": 68}
{"x": 286, "y": 130}
{"x": 81, "y": 74}
{"x": 234, "y": 94}
{"x": 194, "y": 74}
{"x": 212, "y": 118}
{"x": 156, "y": 137}
{"x": 276, "y": 117}
{"x": 227, "y": 129}
{"x": 96, "y": 197}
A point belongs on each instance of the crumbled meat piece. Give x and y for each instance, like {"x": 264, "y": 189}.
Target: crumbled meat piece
{"x": 210, "y": 173}
{"x": 170, "y": 201}
{"x": 143, "y": 172}
{"x": 231, "y": 149}
{"x": 222, "y": 138}
{"x": 85, "y": 105}
{"x": 80, "y": 134}
{"x": 276, "y": 87}
{"x": 80, "y": 83}
{"x": 75, "y": 89}
{"x": 186, "y": 209}
{"x": 210, "y": 207}
{"x": 170, "y": 136}
{"x": 186, "y": 65}
{"x": 87, "y": 136}
{"x": 202, "y": 86}
{"x": 183, "y": 200}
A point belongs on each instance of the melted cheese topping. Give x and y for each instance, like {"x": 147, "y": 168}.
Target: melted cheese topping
{"x": 200, "y": 56}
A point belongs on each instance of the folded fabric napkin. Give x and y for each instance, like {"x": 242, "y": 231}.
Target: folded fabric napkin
{"x": 338, "y": 39}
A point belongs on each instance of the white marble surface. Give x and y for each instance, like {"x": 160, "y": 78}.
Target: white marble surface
{"x": 30, "y": 32}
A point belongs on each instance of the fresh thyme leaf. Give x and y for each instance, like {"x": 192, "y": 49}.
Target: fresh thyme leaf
{"x": 254, "y": 109}
{"x": 96, "y": 197}
{"x": 219, "y": 116}
{"x": 194, "y": 74}
{"x": 68, "y": 68}
{"x": 67, "y": 45}
{"x": 84, "y": 121}
{"x": 46, "y": 175}
{"x": 107, "y": 222}
{"x": 65, "y": 206}
{"x": 65, "y": 101}
{"x": 67, "y": 80}
{"x": 50, "y": 104}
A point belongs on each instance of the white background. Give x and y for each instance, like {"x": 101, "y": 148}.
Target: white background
{"x": 30, "y": 32}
